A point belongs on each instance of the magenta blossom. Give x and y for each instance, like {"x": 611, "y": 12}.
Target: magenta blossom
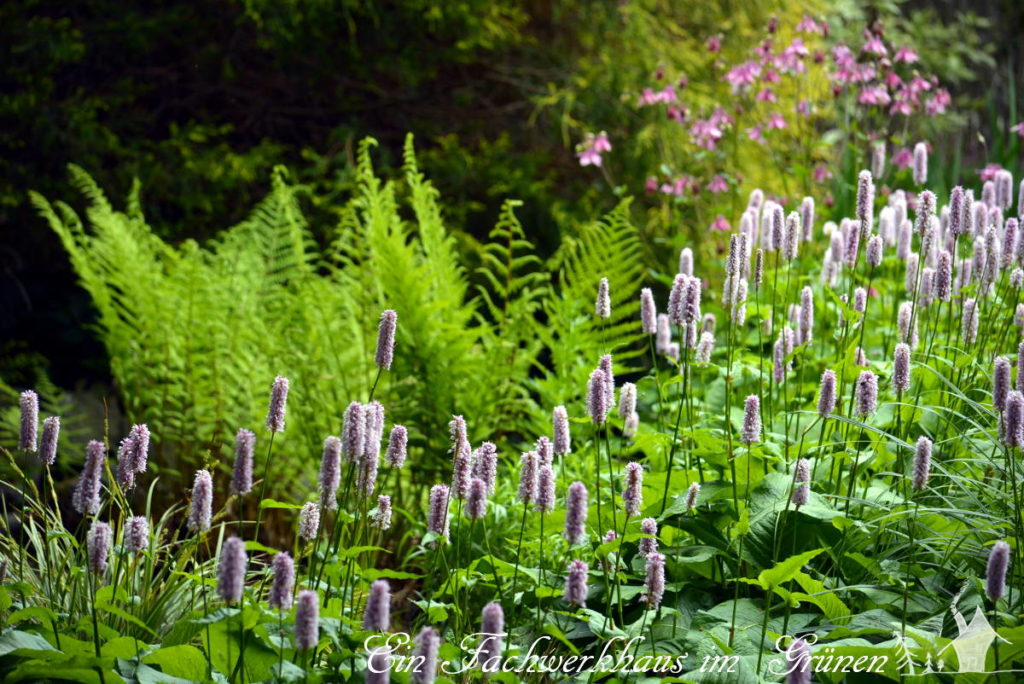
{"x": 705, "y": 133}
{"x": 714, "y": 44}
{"x": 757, "y": 134}
{"x": 721, "y": 224}
{"x": 821, "y": 173}
{"x": 808, "y": 25}
{"x": 875, "y": 46}
{"x": 776, "y": 121}
{"x": 589, "y": 151}
{"x": 717, "y": 185}
{"x": 743, "y": 75}
{"x": 804, "y": 108}
{"x": 905, "y": 54}
{"x": 874, "y": 95}
{"x": 989, "y": 172}
{"x": 902, "y": 157}
{"x": 766, "y": 95}
{"x": 938, "y": 103}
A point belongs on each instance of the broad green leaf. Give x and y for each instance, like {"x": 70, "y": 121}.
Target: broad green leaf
{"x": 184, "y": 661}
{"x": 786, "y": 570}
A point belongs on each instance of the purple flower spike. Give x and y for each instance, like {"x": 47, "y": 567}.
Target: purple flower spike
{"x": 98, "y": 546}
{"x": 283, "y": 568}
{"x": 827, "y": 395}
{"x": 648, "y": 312}
{"x": 560, "y": 430}
{"x": 437, "y": 521}
{"x": 866, "y": 394}
{"x": 386, "y": 339}
{"x": 995, "y": 574}
{"x": 1000, "y": 382}
{"x": 201, "y": 509}
{"x": 545, "y": 489}
{"x": 309, "y": 521}
{"x": 49, "y": 441}
{"x": 801, "y": 483}
{"x": 798, "y": 662}
{"x": 476, "y": 504}
{"x": 654, "y": 582}
{"x": 377, "y": 616}
{"x": 691, "y": 495}
{"x": 597, "y": 397}
{"x": 382, "y": 516}
{"x": 603, "y": 305}
{"x": 425, "y": 656}
{"x": 330, "y": 473}
{"x": 751, "y": 432}
{"x": 29, "y": 402}
{"x": 398, "y": 443}
{"x": 492, "y": 628}
{"x": 922, "y": 463}
{"x": 648, "y": 545}
{"x": 632, "y": 494}
{"x": 86, "y": 498}
{"x": 278, "y": 401}
{"x": 241, "y": 473}
{"x": 231, "y": 571}
{"x": 307, "y": 620}
{"x": 901, "y": 368}
{"x": 136, "y": 534}
{"x": 353, "y": 434}
{"x": 576, "y": 513}
{"x": 920, "y": 163}
{"x": 576, "y": 584}
{"x": 485, "y": 465}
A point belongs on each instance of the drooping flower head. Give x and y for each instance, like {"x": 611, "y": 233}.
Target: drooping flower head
{"x": 278, "y": 402}
{"x": 385, "y": 354}
{"x": 377, "y": 615}
{"x": 86, "y": 498}
{"x": 751, "y": 432}
{"x": 283, "y": 568}
{"x": 98, "y": 546}
{"x": 201, "y": 508}
{"x": 576, "y": 513}
{"x": 576, "y": 584}
{"x": 231, "y": 570}
{"x": 241, "y": 472}
{"x": 29, "y": 402}
{"x": 307, "y": 620}
{"x": 632, "y": 494}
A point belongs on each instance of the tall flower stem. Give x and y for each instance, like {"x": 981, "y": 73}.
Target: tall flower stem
{"x": 263, "y": 489}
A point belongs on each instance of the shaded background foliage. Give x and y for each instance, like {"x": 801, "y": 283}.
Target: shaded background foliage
{"x": 199, "y": 101}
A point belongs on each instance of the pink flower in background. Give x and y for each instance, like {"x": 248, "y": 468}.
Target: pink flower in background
{"x": 721, "y": 224}
{"x": 874, "y": 46}
{"x": 677, "y": 114}
{"x": 893, "y": 80}
{"x": 720, "y": 118}
{"x": 1018, "y": 129}
{"x": 714, "y": 44}
{"x": 717, "y": 185}
{"x": 766, "y": 95}
{"x": 668, "y": 94}
{"x": 776, "y": 122}
{"x": 683, "y": 82}
{"x": 756, "y": 134}
{"x": 808, "y": 25}
{"x": 901, "y": 105}
{"x": 764, "y": 50}
{"x": 804, "y": 108}
{"x": 820, "y": 173}
{"x": 743, "y": 75}
{"x": 874, "y": 95}
{"x": 705, "y": 133}
{"x": 905, "y": 54}
{"x": 589, "y": 151}
{"x": 917, "y": 86}
{"x": 903, "y": 158}
{"x": 989, "y": 172}
{"x": 647, "y": 97}
{"x": 771, "y": 76}
{"x": 651, "y": 185}
{"x": 938, "y": 103}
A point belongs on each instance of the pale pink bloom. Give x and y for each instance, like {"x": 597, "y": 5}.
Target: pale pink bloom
{"x": 893, "y": 80}
{"x": 705, "y": 133}
{"x": 651, "y": 185}
{"x": 905, "y": 54}
{"x": 902, "y": 157}
{"x": 714, "y": 44}
{"x": 647, "y": 97}
{"x": 938, "y": 103}
{"x": 1018, "y": 129}
{"x": 808, "y": 25}
{"x": 720, "y": 118}
{"x": 804, "y": 108}
{"x": 717, "y": 185}
{"x": 776, "y": 121}
{"x": 720, "y": 224}
{"x": 589, "y": 157}
{"x": 766, "y": 95}
{"x": 989, "y": 172}
{"x": 743, "y": 75}
{"x": 821, "y": 173}
{"x": 757, "y": 134}
{"x": 874, "y": 46}
{"x": 874, "y": 95}
{"x": 901, "y": 106}
{"x": 677, "y": 114}
{"x": 601, "y": 143}
{"x": 771, "y": 76}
